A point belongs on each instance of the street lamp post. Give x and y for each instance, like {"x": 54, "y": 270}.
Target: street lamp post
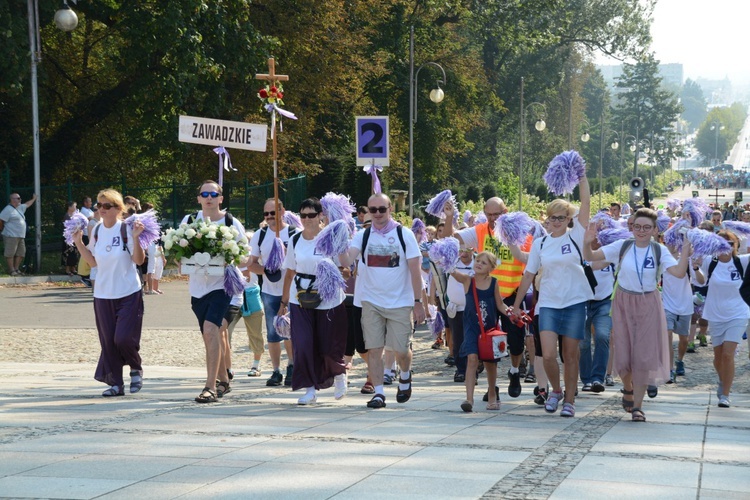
{"x": 436, "y": 96}
{"x": 540, "y": 125}
{"x": 716, "y": 125}
{"x": 66, "y": 20}
{"x": 632, "y": 148}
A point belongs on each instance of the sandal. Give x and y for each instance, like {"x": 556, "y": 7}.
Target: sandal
{"x": 627, "y": 405}
{"x": 368, "y": 388}
{"x": 467, "y": 406}
{"x": 136, "y": 381}
{"x": 403, "y": 395}
{"x": 638, "y": 415}
{"x": 254, "y": 372}
{"x": 222, "y": 388}
{"x": 206, "y": 396}
{"x": 377, "y": 401}
{"x": 114, "y": 390}
{"x": 495, "y": 405}
{"x": 652, "y": 391}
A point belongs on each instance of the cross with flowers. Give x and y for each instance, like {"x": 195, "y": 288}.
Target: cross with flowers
{"x": 271, "y": 97}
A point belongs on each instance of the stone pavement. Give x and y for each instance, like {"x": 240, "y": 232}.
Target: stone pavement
{"x": 60, "y": 439}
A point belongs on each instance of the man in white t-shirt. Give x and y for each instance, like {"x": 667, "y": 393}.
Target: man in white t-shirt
{"x": 272, "y": 286}
{"x": 389, "y": 289}
{"x": 208, "y": 299}
{"x": 13, "y": 227}
{"x": 86, "y": 208}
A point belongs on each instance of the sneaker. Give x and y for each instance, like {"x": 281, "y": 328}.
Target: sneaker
{"x": 541, "y": 397}
{"x": 609, "y": 381}
{"x": 724, "y": 402}
{"x": 276, "y": 379}
{"x": 307, "y": 399}
{"x": 586, "y": 387}
{"x": 671, "y": 377}
{"x": 691, "y": 347}
{"x": 459, "y": 378}
{"x": 288, "y": 378}
{"x": 703, "y": 342}
{"x": 680, "y": 368}
{"x": 719, "y": 390}
{"x": 486, "y": 396}
{"x": 339, "y": 386}
{"x": 438, "y": 344}
{"x": 450, "y": 361}
{"x": 552, "y": 401}
{"x": 597, "y": 387}
{"x": 568, "y": 410}
{"x": 254, "y": 372}
{"x": 86, "y": 281}
{"x": 514, "y": 388}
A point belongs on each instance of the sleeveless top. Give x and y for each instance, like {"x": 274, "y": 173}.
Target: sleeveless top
{"x": 487, "y": 308}
{"x": 509, "y": 270}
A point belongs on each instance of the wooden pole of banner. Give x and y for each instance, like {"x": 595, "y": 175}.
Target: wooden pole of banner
{"x": 272, "y": 77}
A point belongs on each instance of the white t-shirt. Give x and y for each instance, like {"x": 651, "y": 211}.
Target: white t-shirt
{"x": 645, "y": 260}
{"x": 563, "y": 280}
{"x": 455, "y": 289}
{"x": 723, "y": 302}
{"x": 676, "y": 294}
{"x": 116, "y": 275}
{"x": 605, "y": 282}
{"x": 469, "y": 237}
{"x": 87, "y": 212}
{"x": 277, "y": 288}
{"x": 303, "y": 258}
{"x": 385, "y": 281}
{"x": 15, "y": 221}
{"x": 202, "y": 285}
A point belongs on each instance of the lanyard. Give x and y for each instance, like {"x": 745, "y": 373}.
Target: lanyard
{"x": 640, "y": 271}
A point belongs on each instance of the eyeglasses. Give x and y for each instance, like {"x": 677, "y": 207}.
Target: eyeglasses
{"x": 272, "y": 213}
{"x": 638, "y": 227}
{"x": 308, "y": 215}
{"x": 212, "y": 194}
{"x": 557, "y": 218}
{"x": 493, "y": 215}
{"x": 105, "y": 206}
{"x": 374, "y": 210}
{"x": 15, "y": 197}
{"x": 467, "y": 250}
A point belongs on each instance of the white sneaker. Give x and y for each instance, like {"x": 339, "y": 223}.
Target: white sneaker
{"x": 308, "y": 399}
{"x": 724, "y": 402}
{"x": 339, "y": 385}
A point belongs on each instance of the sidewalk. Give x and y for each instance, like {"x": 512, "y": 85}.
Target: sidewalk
{"x": 60, "y": 439}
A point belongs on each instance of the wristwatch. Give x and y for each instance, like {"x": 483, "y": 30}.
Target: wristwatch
{"x": 417, "y": 300}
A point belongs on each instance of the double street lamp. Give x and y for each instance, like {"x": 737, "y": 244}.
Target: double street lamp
{"x": 540, "y": 125}
{"x": 66, "y": 20}
{"x": 436, "y": 96}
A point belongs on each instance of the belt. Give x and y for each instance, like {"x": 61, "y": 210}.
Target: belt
{"x": 621, "y": 289}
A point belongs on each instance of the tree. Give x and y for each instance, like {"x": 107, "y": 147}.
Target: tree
{"x": 720, "y": 131}
{"x": 694, "y": 103}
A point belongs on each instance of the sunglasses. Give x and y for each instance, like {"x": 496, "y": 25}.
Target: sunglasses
{"x": 374, "y": 210}
{"x": 558, "y": 218}
{"x": 272, "y": 213}
{"x": 105, "y": 206}
{"x": 310, "y": 215}
{"x": 212, "y": 194}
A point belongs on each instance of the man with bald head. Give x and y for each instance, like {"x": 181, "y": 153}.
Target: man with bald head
{"x": 389, "y": 291}
{"x": 13, "y": 227}
{"x": 509, "y": 272}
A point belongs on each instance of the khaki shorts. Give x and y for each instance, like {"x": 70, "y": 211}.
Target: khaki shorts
{"x": 386, "y": 327}
{"x": 14, "y": 247}
{"x": 254, "y": 326}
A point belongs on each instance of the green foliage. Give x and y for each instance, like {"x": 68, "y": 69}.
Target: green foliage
{"x": 694, "y": 103}
{"x": 403, "y": 218}
{"x": 718, "y": 134}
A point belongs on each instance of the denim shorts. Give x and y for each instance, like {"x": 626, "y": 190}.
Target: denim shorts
{"x": 568, "y": 321}
{"x": 680, "y": 324}
{"x": 211, "y": 307}
{"x": 271, "y": 305}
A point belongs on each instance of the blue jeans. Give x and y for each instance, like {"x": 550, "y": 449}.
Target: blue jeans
{"x": 594, "y": 368}
{"x": 271, "y": 304}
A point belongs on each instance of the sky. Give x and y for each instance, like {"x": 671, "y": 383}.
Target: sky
{"x": 709, "y": 37}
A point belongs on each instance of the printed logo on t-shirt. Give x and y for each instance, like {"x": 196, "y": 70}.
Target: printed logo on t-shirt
{"x": 565, "y": 248}
{"x": 383, "y": 256}
{"x": 115, "y": 241}
{"x": 649, "y": 263}
{"x": 734, "y": 274}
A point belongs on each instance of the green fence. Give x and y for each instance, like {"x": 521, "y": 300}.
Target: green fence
{"x": 172, "y": 201}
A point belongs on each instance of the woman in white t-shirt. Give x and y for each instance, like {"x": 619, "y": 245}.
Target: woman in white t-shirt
{"x": 318, "y": 335}
{"x": 118, "y": 301}
{"x": 725, "y": 311}
{"x": 639, "y": 325}
{"x": 563, "y": 294}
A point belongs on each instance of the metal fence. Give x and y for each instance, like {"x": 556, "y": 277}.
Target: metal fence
{"x": 172, "y": 201}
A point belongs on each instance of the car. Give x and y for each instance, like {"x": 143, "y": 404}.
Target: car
{"x": 724, "y": 167}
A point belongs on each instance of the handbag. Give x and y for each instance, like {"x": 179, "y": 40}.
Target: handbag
{"x": 586, "y": 268}
{"x": 308, "y": 298}
{"x": 493, "y": 343}
{"x": 252, "y": 302}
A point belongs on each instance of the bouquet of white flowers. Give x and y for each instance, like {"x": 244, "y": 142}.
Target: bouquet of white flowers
{"x": 203, "y": 243}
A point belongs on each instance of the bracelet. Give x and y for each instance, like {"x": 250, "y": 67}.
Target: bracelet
{"x": 284, "y": 303}
{"x": 696, "y": 269}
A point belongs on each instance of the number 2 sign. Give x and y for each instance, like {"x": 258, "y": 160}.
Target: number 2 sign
{"x": 372, "y": 140}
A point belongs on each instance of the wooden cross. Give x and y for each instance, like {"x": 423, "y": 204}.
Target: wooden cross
{"x": 272, "y": 77}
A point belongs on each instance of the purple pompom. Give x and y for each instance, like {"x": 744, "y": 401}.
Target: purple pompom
{"x": 607, "y": 236}
{"x": 333, "y": 239}
{"x": 329, "y": 281}
{"x": 467, "y": 216}
{"x": 480, "y": 218}
{"x": 437, "y": 204}
{"x": 741, "y": 229}
{"x": 697, "y": 209}
{"x": 603, "y": 221}
{"x": 673, "y": 205}
{"x": 77, "y": 222}
{"x": 707, "y": 244}
{"x": 283, "y": 326}
{"x": 419, "y": 230}
{"x": 234, "y": 281}
{"x": 437, "y": 326}
{"x": 538, "y": 230}
{"x": 444, "y": 253}
{"x": 151, "y": 229}
{"x": 337, "y": 207}
{"x": 673, "y": 236}
{"x": 513, "y": 228}
{"x": 275, "y": 256}
{"x": 292, "y": 219}
{"x": 663, "y": 221}
{"x": 564, "y": 173}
